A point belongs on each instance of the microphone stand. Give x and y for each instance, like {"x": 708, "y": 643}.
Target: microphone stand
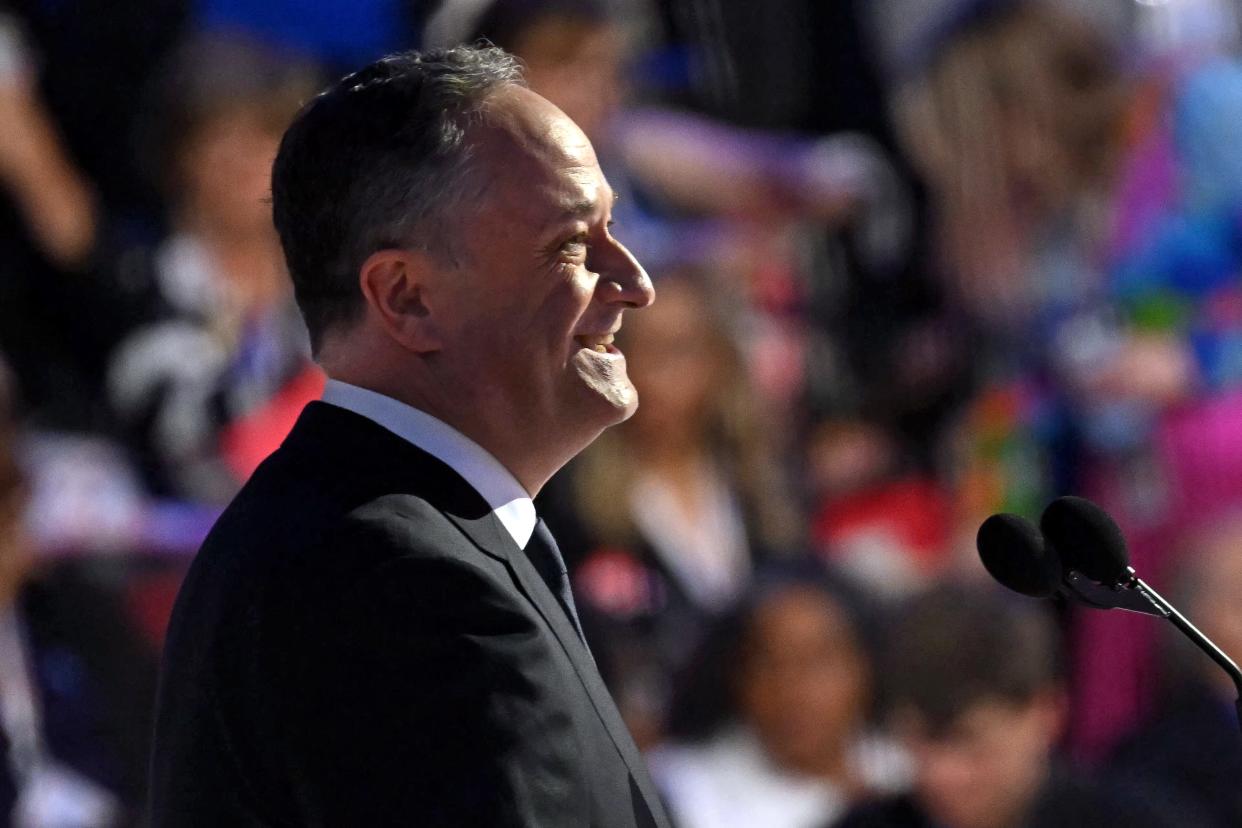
{"x": 1133, "y": 595}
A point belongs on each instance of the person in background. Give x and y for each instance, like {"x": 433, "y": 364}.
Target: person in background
{"x": 974, "y": 693}
{"x": 76, "y": 682}
{"x": 772, "y": 727}
{"x": 1012, "y": 110}
{"x": 201, "y": 384}
{"x": 48, "y": 228}
{"x": 1188, "y": 752}
{"x": 694, "y": 501}
{"x": 883, "y": 525}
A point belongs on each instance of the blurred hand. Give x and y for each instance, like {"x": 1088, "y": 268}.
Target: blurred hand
{"x": 54, "y": 199}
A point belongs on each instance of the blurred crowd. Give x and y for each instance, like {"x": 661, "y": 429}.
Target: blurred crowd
{"x": 917, "y": 261}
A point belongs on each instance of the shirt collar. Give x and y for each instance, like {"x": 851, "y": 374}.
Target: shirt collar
{"x": 509, "y": 501}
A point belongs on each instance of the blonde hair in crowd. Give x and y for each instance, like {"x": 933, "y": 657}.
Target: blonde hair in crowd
{"x": 738, "y": 440}
{"x": 1016, "y": 120}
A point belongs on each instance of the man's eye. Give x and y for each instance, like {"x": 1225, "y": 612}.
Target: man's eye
{"x": 576, "y": 244}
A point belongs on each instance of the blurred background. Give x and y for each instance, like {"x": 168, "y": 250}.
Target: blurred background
{"x": 918, "y": 261}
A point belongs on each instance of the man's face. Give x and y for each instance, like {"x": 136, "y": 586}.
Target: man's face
{"x": 540, "y": 285}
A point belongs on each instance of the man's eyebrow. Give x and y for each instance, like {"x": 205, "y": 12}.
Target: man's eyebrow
{"x": 577, "y": 209}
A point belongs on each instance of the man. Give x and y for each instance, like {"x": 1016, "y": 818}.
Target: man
{"x": 378, "y": 631}
{"x": 976, "y": 696}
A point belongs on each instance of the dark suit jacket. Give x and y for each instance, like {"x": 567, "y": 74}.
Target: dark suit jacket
{"x": 360, "y": 643}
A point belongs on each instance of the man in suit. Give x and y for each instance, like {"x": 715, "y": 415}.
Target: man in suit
{"x": 379, "y": 629}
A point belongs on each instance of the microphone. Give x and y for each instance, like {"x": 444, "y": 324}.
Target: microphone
{"x": 1014, "y": 553}
{"x": 1079, "y": 553}
{"x": 1087, "y": 540}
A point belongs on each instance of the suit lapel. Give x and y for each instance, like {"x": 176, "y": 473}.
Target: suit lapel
{"x": 384, "y": 462}
{"x": 488, "y": 534}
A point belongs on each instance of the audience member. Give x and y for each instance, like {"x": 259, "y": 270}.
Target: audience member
{"x": 1013, "y": 114}
{"x": 885, "y": 526}
{"x": 973, "y": 689}
{"x": 212, "y": 379}
{"x": 772, "y": 728}
{"x": 75, "y": 681}
{"x": 48, "y": 227}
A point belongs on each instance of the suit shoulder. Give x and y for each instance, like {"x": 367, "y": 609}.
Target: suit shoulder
{"x": 397, "y": 525}
{"x": 403, "y": 518}
{"x": 394, "y": 530}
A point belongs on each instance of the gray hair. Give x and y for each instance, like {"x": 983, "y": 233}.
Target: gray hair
{"x": 379, "y": 160}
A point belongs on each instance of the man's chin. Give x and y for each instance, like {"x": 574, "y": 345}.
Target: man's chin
{"x": 615, "y": 404}
{"x": 629, "y": 408}
{"x": 610, "y": 390}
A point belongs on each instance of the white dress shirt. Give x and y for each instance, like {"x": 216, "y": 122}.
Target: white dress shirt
{"x": 509, "y": 501}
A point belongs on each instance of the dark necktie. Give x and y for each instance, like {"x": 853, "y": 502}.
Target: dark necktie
{"x": 546, "y": 557}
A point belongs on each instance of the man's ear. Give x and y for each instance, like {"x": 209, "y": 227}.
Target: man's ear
{"x": 395, "y": 285}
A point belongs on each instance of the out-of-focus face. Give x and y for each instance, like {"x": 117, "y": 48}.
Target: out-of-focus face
{"x": 1218, "y": 606}
{"x": 527, "y": 316}
{"x": 804, "y": 682}
{"x": 576, "y": 66}
{"x": 675, "y": 361}
{"x": 986, "y": 769}
{"x": 225, "y": 170}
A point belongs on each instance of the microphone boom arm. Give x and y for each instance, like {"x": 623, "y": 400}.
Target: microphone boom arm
{"x": 1124, "y": 596}
{"x": 1200, "y": 640}
{"x": 1134, "y": 595}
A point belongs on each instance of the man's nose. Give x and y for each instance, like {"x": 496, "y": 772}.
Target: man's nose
{"x": 623, "y": 279}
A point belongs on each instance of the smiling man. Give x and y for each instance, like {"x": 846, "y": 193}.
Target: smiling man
{"x": 379, "y": 630}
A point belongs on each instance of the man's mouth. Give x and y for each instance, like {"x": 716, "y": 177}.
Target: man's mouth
{"x": 594, "y": 342}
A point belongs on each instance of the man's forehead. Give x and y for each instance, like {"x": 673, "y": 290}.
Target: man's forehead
{"x": 528, "y": 147}
{"x": 517, "y": 119}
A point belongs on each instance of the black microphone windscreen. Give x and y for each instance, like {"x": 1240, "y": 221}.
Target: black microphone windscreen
{"x": 1086, "y": 539}
{"x": 1014, "y": 553}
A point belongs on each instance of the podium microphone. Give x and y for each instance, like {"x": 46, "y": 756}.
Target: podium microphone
{"x": 1079, "y": 553}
